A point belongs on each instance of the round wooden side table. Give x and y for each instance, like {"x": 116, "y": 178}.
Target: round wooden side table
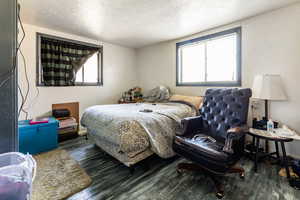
{"x": 267, "y": 136}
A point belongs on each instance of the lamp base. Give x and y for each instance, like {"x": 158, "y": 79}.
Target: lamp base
{"x": 266, "y": 110}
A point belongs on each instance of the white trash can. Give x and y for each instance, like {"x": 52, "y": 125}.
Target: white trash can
{"x": 17, "y": 172}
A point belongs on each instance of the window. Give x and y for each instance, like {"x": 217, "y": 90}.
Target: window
{"x": 212, "y": 60}
{"x": 88, "y": 74}
{"x": 64, "y": 62}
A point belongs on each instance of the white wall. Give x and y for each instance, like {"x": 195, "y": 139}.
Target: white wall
{"x": 119, "y": 74}
{"x": 270, "y": 44}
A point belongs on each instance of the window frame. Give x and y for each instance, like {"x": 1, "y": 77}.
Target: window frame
{"x": 39, "y": 78}
{"x": 237, "y": 83}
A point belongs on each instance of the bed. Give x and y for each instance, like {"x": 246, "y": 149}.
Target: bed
{"x": 132, "y": 132}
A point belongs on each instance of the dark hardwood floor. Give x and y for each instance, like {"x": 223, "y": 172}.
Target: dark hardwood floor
{"x": 159, "y": 181}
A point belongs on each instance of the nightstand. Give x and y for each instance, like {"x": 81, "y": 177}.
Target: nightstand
{"x": 268, "y": 136}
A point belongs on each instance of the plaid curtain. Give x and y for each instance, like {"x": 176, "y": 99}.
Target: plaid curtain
{"x": 61, "y": 60}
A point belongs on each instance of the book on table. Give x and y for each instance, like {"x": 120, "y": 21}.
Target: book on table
{"x": 67, "y": 125}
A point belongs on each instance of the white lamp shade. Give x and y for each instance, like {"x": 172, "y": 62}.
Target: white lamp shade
{"x": 268, "y": 87}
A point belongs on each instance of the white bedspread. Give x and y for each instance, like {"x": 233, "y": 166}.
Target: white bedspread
{"x": 133, "y": 131}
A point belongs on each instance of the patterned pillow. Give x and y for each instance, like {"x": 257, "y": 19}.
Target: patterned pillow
{"x": 195, "y": 100}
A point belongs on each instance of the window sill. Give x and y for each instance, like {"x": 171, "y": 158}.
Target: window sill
{"x": 76, "y": 85}
{"x": 211, "y": 84}
{"x": 88, "y": 84}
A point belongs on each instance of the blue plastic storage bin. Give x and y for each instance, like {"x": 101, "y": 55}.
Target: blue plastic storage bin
{"x": 39, "y": 137}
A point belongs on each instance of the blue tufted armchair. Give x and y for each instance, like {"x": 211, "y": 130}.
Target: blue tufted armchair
{"x": 214, "y": 141}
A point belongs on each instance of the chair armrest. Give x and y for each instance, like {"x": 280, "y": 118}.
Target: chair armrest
{"x": 237, "y": 132}
{"x": 233, "y": 134}
{"x": 191, "y": 124}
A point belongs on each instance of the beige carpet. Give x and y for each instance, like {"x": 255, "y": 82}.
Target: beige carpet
{"x": 58, "y": 176}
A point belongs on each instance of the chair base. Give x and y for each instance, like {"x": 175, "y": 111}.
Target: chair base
{"x": 215, "y": 177}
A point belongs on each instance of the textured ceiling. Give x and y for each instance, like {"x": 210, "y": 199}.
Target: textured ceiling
{"x": 137, "y": 23}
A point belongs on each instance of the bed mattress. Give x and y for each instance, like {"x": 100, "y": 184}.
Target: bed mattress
{"x": 131, "y": 129}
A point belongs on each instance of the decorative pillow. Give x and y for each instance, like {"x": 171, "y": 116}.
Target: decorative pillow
{"x": 195, "y": 100}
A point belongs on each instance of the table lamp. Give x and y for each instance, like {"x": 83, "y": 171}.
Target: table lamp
{"x": 269, "y": 88}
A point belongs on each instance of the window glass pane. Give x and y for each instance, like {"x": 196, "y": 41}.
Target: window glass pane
{"x": 79, "y": 75}
{"x": 221, "y": 59}
{"x": 91, "y": 69}
{"x": 193, "y": 63}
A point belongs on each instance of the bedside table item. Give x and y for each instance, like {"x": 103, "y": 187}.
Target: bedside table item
{"x": 132, "y": 95}
{"x": 287, "y": 133}
{"x": 83, "y": 132}
{"x": 37, "y": 138}
{"x": 69, "y": 124}
{"x": 269, "y": 136}
{"x": 39, "y": 121}
{"x": 135, "y": 101}
{"x": 59, "y": 113}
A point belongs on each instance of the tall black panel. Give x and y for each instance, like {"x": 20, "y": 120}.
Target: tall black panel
{"x": 8, "y": 90}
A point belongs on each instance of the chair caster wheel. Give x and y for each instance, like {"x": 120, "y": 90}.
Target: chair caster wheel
{"x": 220, "y": 195}
{"x": 242, "y": 175}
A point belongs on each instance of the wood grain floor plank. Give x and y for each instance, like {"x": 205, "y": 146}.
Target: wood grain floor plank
{"x": 113, "y": 181}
